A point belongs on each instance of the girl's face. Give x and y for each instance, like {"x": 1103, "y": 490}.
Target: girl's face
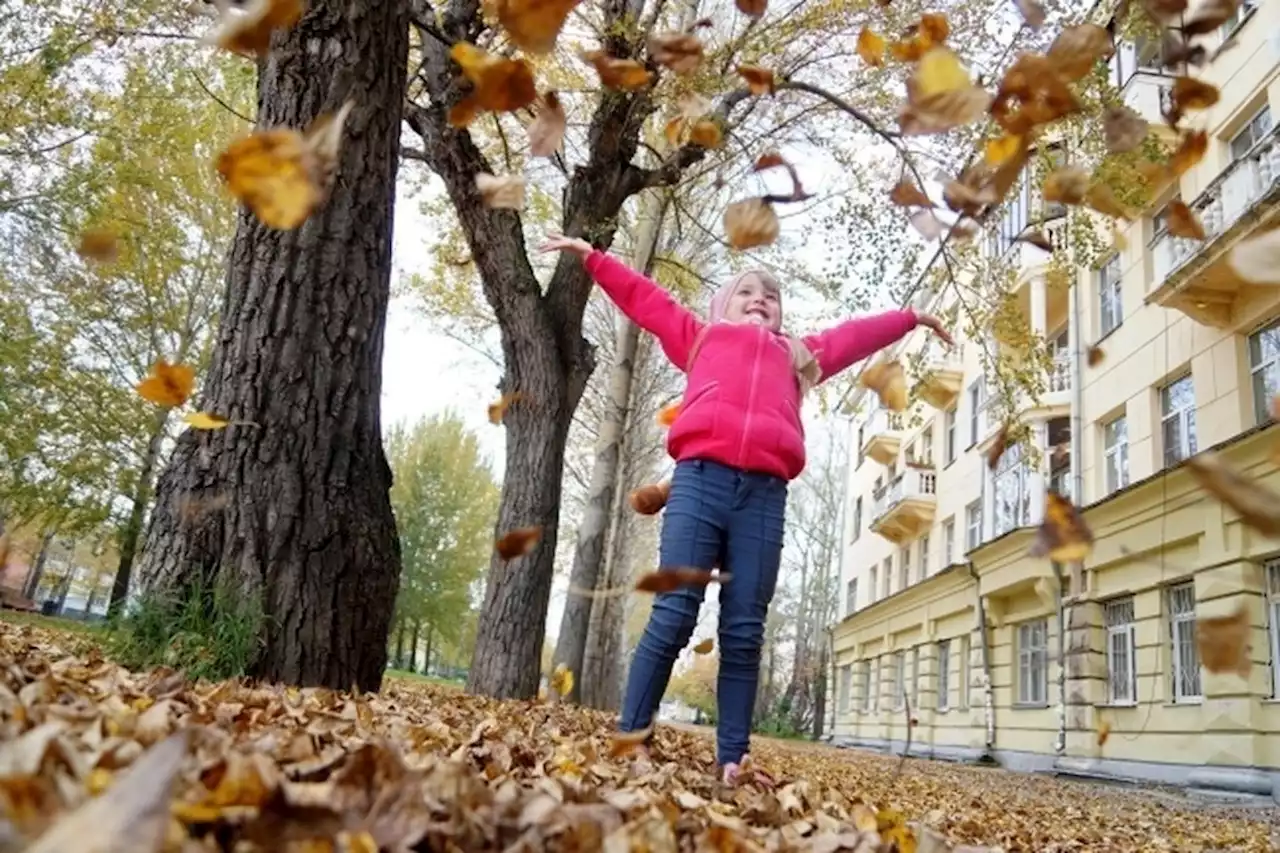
{"x": 755, "y": 301}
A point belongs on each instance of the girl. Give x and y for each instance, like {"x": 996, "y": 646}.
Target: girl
{"x": 737, "y": 441}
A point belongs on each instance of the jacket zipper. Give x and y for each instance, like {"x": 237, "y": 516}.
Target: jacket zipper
{"x": 751, "y": 400}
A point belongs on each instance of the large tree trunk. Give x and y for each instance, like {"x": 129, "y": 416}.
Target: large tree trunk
{"x": 602, "y": 499}
{"x": 308, "y": 528}
{"x": 133, "y": 527}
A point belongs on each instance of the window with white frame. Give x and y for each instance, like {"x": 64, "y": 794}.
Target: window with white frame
{"x": 857, "y": 519}
{"x": 977, "y": 399}
{"x": 846, "y": 686}
{"x": 926, "y": 445}
{"x": 1272, "y": 570}
{"x": 864, "y": 688}
{"x": 1184, "y": 655}
{"x": 1033, "y": 662}
{"x": 973, "y": 525}
{"x": 1122, "y": 679}
{"x": 944, "y": 675}
{"x": 871, "y": 587}
{"x": 924, "y": 557}
{"x": 899, "y": 679}
{"x": 915, "y": 676}
{"x": 888, "y": 575}
{"x": 1178, "y": 420}
{"x": 1264, "y": 366}
{"x": 1110, "y": 305}
{"x": 949, "y": 437}
{"x": 851, "y": 596}
{"x": 904, "y": 568}
{"x": 1254, "y": 131}
{"x": 964, "y": 671}
{"x": 1011, "y": 489}
{"x": 1115, "y": 444}
{"x": 949, "y": 541}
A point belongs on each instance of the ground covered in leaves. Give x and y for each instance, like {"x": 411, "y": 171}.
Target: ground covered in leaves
{"x": 94, "y": 757}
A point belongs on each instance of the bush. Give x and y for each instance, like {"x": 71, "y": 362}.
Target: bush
{"x": 205, "y": 632}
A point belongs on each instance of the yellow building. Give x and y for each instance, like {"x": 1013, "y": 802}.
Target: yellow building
{"x": 945, "y": 609}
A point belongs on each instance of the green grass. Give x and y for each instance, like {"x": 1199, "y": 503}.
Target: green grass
{"x": 52, "y": 623}
{"x": 405, "y": 675}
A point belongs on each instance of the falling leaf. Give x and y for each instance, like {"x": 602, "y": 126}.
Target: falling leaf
{"x": 1182, "y": 222}
{"x": 752, "y": 8}
{"x": 1190, "y": 152}
{"x": 1192, "y": 94}
{"x": 546, "y": 131}
{"x": 1063, "y": 536}
{"x": 246, "y": 28}
{"x": 99, "y": 244}
{"x": 562, "y": 680}
{"x": 998, "y": 446}
{"x": 669, "y": 580}
{"x": 681, "y": 52}
{"x": 871, "y": 47}
{"x": 1077, "y": 48}
{"x": 1223, "y": 642}
{"x": 759, "y": 80}
{"x": 1257, "y": 259}
{"x": 501, "y": 191}
{"x": 888, "y": 381}
{"x": 1123, "y": 129}
{"x": 498, "y": 84}
{"x": 206, "y": 420}
{"x": 650, "y": 499}
{"x": 1258, "y": 506}
{"x": 940, "y": 95}
{"x": 1032, "y": 12}
{"x": 905, "y": 193}
{"x": 750, "y": 223}
{"x": 498, "y": 410}
{"x": 668, "y": 413}
{"x": 704, "y": 647}
{"x": 534, "y": 25}
{"x": 1095, "y": 355}
{"x": 270, "y": 172}
{"x": 1162, "y": 11}
{"x": 1035, "y": 238}
{"x": 1003, "y": 149}
{"x": 927, "y": 224}
{"x": 167, "y": 384}
{"x": 706, "y": 134}
{"x": 518, "y": 542}
{"x": 1210, "y": 16}
{"x": 1099, "y": 197}
{"x": 1066, "y": 185}
{"x": 622, "y": 744}
{"x": 1104, "y": 730}
{"x": 626, "y": 75}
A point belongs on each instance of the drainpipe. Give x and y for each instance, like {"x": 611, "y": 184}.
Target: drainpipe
{"x": 988, "y": 701}
{"x": 1060, "y": 741}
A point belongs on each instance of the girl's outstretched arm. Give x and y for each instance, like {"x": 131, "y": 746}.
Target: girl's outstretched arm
{"x": 644, "y": 302}
{"x": 854, "y": 340}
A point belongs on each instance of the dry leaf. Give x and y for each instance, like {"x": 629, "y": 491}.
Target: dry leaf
{"x": 906, "y": 194}
{"x": 501, "y": 191}
{"x": 1063, "y": 536}
{"x": 669, "y": 580}
{"x": 1032, "y": 12}
{"x": 246, "y": 28}
{"x": 498, "y": 410}
{"x": 1182, "y": 222}
{"x": 206, "y": 420}
{"x": 1104, "y": 730}
{"x": 1257, "y": 259}
{"x": 940, "y": 95}
{"x": 1100, "y": 198}
{"x": 562, "y": 680}
{"x": 1077, "y": 48}
{"x": 546, "y": 131}
{"x": 1223, "y": 642}
{"x": 704, "y": 647}
{"x": 1189, "y": 152}
{"x": 518, "y": 542}
{"x": 167, "y": 384}
{"x": 1123, "y": 128}
{"x": 650, "y": 499}
{"x": 1035, "y": 238}
{"x": 889, "y": 382}
{"x": 759, "y": 80}
{"x": 752, "y": 8}
{"x": 626, "y": 75}
{"x": 534, "y": 25}
{"x": 681, "y": 52}
{"x": 871, "y": 47}
{"x": 99, "y": 244}
{"x": 1066, "y": 185}
{"x": 270, "y": 171}
{"x": 1192, "y": 94}
{"x": 706, "y": 133}
{"x": 498, "y": 84}
{"x": 1163, "y": 11}
{"x": 668, "y": 413}
{"x": 1095, "y": 355}
{"x": 624, "y": 743}
{"x": 1257, "y": 506}
{"x": 1210, "y": 16}
{"x": 750, "y": 223}
{"x": 998, "y": 446}
{"x": 1003, "y": 149}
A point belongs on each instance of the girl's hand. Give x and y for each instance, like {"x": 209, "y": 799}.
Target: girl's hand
{"x": 561, "y": 243}
{"x": 934, "y": 323}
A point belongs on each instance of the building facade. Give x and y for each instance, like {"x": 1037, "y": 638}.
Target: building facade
{"x": 952, "y": 636}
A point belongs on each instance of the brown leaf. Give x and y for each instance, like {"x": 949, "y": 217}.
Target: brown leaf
{"x": 998, "y": 446}
{"x": 681, "y": 52}
{"x": 498, "y": 410}
{"x": 626, "y": 75}
{"x": 1257, "y": 506}
{"x": 501, "y": 191}
{"x": 99, "y": 244}
{"x": 650, "y": 499}
{"x": 706, "y": 133}
{"x": 669, "y": 580}
{"x": 1210, "y": 16}
{"x": 1104, "y": 730}
{"x": 1063, "y": 536}
{"x": 1223, "y": 642}
{"x": 1182, "y": 222}
{"x": 498, "y": 84}
{"x": 518, "y": 542}
{"x": 752, "y": 8}
{"x": 1077, "y": 48}
{"x": 704, "y": 646}
{"x": 871, "y": 47}
{"x": 905, "y": 193}
{"x": 1100, "y": 198}
{"x": 1163, "y": 11}
{"x": 750, "y": 223}
{"x": 246, "y": 28}
{"x": 759, "y": 80}
{"x": 167, "y": 384}
{"x": 1066, "y": 185}
{"x": 1189, "y": 152}
{"x": 1123, "y": 128}
{"x": 1032, "y": 12}
{"x": 622, "y": 744}
{"x": 1095, "y": 355}
{"x": 534, "y": 25}
{"x": 1192, "y": 94}
{"x": 546, "y": 131}
{"x": 940, "y": 95}
{"x": 888, "y": 381}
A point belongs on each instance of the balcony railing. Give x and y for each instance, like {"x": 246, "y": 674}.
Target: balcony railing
{"x": 882, "y": 421}
{"x": 911, "y": 483}
{"x": 1230, "y": 196}
{"x": 1059, "y": 378}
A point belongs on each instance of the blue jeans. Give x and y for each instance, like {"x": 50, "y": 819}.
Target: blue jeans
{"x": 715, "y": 514}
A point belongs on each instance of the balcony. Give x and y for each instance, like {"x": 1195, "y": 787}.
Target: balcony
{"x": 903, "y": 510}
{"x": 1052, "y": 401}
{"x": 1195, "y": 277}
{"x": 882, "y": 438}
{"x": 941, "y": 383}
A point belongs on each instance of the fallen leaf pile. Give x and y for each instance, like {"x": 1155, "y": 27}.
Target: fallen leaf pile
{"x": 95, "y": 757}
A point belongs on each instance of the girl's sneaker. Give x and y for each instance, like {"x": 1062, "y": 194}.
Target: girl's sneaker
{"x": 742, "y": 771}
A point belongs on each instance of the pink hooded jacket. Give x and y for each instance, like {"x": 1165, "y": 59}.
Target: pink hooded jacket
{"x": 741, "y": 406}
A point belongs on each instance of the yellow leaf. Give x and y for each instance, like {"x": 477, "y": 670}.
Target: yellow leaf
{"x": 1063, "y": 536}
{"x": 626, "y": 75}
{"x": 167, "y": 384}
{"x": 205, "y": 420}
{"x": 500, "y": 84}
{"x": 99, "y": 244}
{"x": 750, "y": 223}
{"x": 534, "y": 25}
{"x": 706, "y": 134}
{"x": 939, "y": 71}
{"x": 562, "y": 680}
{"x": 871, "y": 47}
{"x": 889, "y": 382}
{"x": 269, "y": 171}
{"x": 1002, "y": 149}
{"x": 246, "y": 28}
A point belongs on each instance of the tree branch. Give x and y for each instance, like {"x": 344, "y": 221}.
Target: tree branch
{"x": 844, "y": 106}
{"x": 670, "y": 172}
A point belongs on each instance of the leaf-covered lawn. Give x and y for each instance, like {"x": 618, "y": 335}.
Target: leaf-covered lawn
{"x": 96, "y": 758}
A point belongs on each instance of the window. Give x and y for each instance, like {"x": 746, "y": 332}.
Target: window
{"x": 1122, "y": 680}
{"x": 949, "y": 541}
{"x": 888, "y": 571}
{"x": 1272, "y": 570}
{"x": 857, "y": 519}
{"x": 899, "y": 679}
{"x": 904, "y": 568}
{"x": 871, "y": 587}
{"x": 851, "y": 597}
{"x": 949, "y": 437}
{"x": 1182, "y": 637}
{"x": 926, "y": 445}
{"x": 1178, "y": 420}
{"x": 977, "y": 398}
{"x": 973, "y": 525}
{"x": 915, "y": 677}
{"x": 1238, "y": 17}
{"x": 1115, "y": 443}
{"x": 944, "y": 673}
{"x": 1033, "y": 663}
{"x": 846, "y": 685}
{"x": 964, "y": 671}
{"x": 1110, "y": 307}
{"x": 1257, "y": 128}
{"x": 1264, "y": 365}
{"x": 924, "y": 558}
{"x": 1011, "y": 491}
{"x": 864, "y": 689}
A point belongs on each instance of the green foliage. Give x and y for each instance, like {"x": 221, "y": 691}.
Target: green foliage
{"x": 208, "y": 632}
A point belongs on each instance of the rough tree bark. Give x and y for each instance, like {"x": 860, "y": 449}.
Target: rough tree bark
{"x": 413, "y": 646}
{"x": 37, "y": 569}
{"x": 133, "y": 527}
{"x": 308, "y": 526}
{"x": 602, "y": 493}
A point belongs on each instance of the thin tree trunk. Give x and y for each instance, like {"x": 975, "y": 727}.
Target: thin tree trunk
{"x": 399, "y": 655}
{"x": 588, "y": 556}
{"x": 133, "y": 527}
{"x": 820, "y": 692}
{"x": 413, "y": 646}
{"x": 426, "y": 659}
{"x": 309, "y": 529}
{"x": 34, "y": 576}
